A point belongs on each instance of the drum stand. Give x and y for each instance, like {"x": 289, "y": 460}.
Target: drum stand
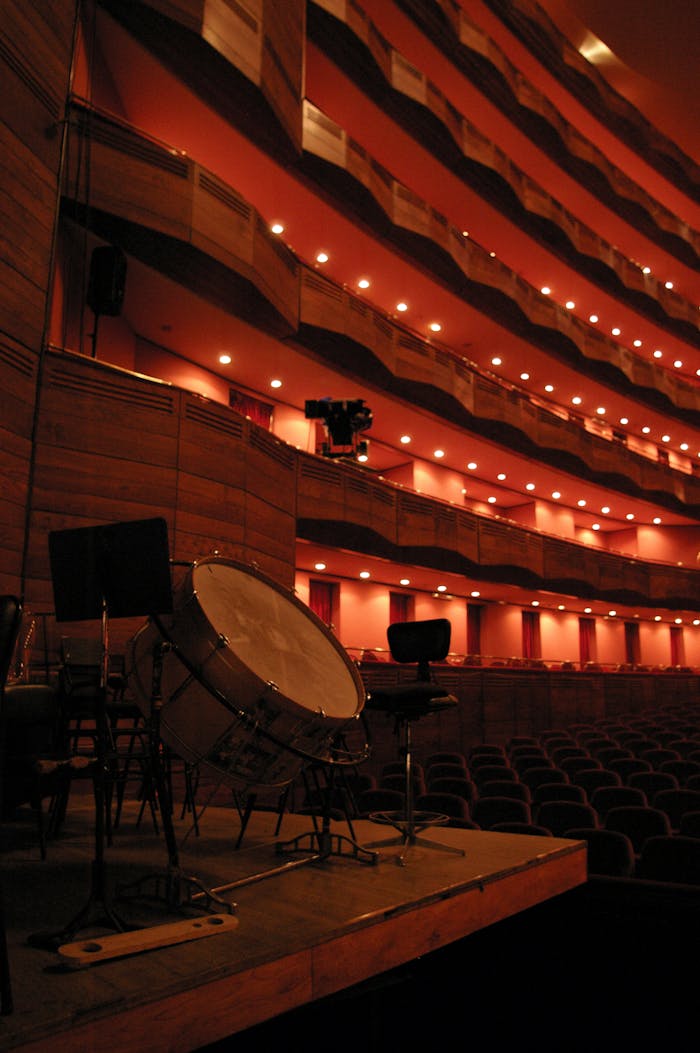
{"x": 174, "y": 888}
{"x": 320, "y": 843}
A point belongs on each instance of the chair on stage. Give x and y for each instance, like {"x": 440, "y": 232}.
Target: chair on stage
{"x": 416, "y": 643}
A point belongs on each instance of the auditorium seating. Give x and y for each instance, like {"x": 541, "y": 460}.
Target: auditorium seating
{"x": 614, "y": 785}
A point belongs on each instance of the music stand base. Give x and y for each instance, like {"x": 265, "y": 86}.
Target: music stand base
{"x": 177, "y": 891}
{"x": 321, "y": 844}
{"x": 96, "y": 914}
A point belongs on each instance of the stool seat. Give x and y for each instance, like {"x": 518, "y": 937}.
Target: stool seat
{"x": 411, "y": 701}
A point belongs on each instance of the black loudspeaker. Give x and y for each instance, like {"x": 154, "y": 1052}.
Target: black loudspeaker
{"x": 107, "y": 282}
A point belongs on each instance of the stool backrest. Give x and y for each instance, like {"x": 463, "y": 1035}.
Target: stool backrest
{"x": 420, "y": 642}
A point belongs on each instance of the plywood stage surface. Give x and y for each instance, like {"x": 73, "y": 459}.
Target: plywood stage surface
{"x": 301, "y": 934}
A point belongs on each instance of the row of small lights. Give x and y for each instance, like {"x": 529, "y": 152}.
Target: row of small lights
{"x": 555, "y": 495}
{"x": 436, "y": 327}
{"x": 546, "y": 290}
{"x": 225, "y": 359}
{"x": 365, "y": 575}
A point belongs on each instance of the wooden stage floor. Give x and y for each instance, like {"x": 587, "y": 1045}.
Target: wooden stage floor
{"x": 300, "y": 935}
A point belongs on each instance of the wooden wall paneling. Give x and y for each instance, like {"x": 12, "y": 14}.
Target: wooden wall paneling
{"x": 212, "y": 441}
{"x": 282, "y": 67}
{"x": 320, "y": 489}
{"x": 416, "y": 521}
{"x": 130, "y": 176}
{"x": 467, "y": 535}
{"x": 383, "y": 511}
{"x": 574, "y": 698}
{"x": 501, "y": 692}
{"x": 414, "y": 359}
{"x": 270, "y": 516}
{"x": 231, "y": 232}
{"x": 568, "y": 565}
{"x": 17, "y": 383}
{"x": 236, "y": 32}
{"x": 358, "y": 499}
{"x": 27, "y": 193}
{"x": 503, "y": 545}
{"x": 628, "y": 693}
{"x": 446, "y": 528}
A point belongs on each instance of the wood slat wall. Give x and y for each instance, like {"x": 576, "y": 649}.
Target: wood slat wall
{"x": 35, "y": 51}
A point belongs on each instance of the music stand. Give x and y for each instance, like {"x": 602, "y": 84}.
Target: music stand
{"x": 119, "y": 570}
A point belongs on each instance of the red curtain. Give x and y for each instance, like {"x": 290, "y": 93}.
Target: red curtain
{"x": 259, "y": 412}
{"x": 401, "y": 607}
{"x": 474, "y": 628}
{"x": 586, "y": 640}
{"x": 677, "y": 649}
{"x": 532, "y": 647}
{"x": 632, "y": 648}
{"x": 322, "y": 600}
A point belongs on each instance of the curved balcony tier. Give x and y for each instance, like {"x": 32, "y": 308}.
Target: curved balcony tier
{"x": 533, "y": 26}
{"x": 180, "y": 219}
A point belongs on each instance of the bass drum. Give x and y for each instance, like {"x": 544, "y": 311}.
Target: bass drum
{"x": 252, "y": 682}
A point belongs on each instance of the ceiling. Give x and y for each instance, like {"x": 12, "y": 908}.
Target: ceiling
{"x": 652, "y": 58}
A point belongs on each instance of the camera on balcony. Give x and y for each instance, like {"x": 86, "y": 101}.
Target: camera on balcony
{"x": 343, "y": 420}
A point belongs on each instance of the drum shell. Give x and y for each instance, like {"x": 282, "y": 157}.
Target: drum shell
{"x": 219, "y": 712}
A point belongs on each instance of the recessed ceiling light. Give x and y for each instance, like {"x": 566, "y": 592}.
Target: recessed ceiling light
{"x": 405, "y": 439}
{"x": 678, "y": 621}
{"x": 605, "y": 510}
{"x": 524, "y": 376}
{"x": 545, "y": 290}
{"x": 678, "y": 364}
{"x": 577, "y": 400}
{"x": 364, "y": 574}
{"x": 535, "y": 603}
{"x": 595, "y": 526}
{"x": 612, "y": 614}
{"x": 529, "y": 486}
{"x": 570, "y": 304}
{"x": 277, "y": 228}
{"x": 581, "y": 502}
{"x": 587, "y": 610}
{"x": 646, "y": 270}
{"x": 496, "y": 361}
{"x": 501, "y": 476}
{"x": 601, "y": 411}
{"x": 624, "y": 420}
{"x": 472, "y": 466}
{"x": 405, "y": 581}
{"x": 630, "y": 516}
{"x": 319, "y": 566}
{"x": 637, "y": 343}
{"x": 556, "y": 494}
{"x": 561, "y": 607}
{"x": 441, "y": 588}
{"x": 225, "y": 360}
{"x": 646, "y": 429}
{"x": 275, "y": 383}
{"x": 322, "y": 257}
{"x": 435, "y": 327}
{"x": 657, "y": 617}
{"x": 401, "y": 306}
{"x": 363, "y": 283}
{"x": 438, "y": 453}
{"x": 665, "y": 438}
{"x": 684, "y": 446}
{"x": 549, "y": 388}
{"x": 593, "y": 318}
{"x": 668, "y": 285}
{"x": 491, "y": 500}
{"x": 658, "y": 354}
{"x": 656, "y": 520}
{"x": 475, "y": 593}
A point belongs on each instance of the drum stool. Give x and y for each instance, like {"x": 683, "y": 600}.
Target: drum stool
{"x": 420, "y": 643}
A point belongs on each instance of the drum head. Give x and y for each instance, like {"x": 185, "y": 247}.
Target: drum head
{"x": 278, "y": 639}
